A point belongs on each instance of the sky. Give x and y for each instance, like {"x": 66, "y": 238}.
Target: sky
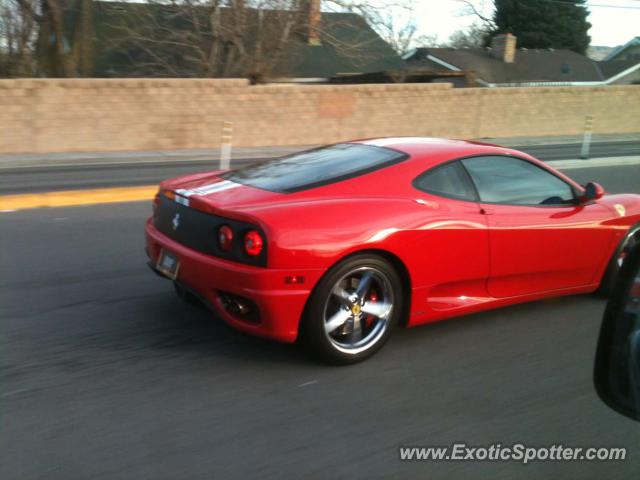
{"x": 611, "y": 26}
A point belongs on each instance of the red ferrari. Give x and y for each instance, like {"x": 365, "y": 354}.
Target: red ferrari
{"x": 338, "y": 245}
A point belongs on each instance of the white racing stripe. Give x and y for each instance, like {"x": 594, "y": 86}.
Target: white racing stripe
{"x": 208, "y": 189}
{"x": 182, "y": 200}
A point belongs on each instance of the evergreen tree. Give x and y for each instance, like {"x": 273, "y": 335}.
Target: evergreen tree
{"x": 544, "y": 23}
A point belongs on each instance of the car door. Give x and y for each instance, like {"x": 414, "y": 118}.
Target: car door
{"x": 454, "y": 239}
{"x": 541, "y": 238}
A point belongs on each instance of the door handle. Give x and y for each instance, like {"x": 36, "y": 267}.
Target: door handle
{"x": 486, "y": 211}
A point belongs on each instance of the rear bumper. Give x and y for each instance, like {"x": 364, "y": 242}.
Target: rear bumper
{"x": 279, "y": 304}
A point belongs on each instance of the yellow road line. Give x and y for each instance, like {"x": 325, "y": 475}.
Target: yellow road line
{"x": 77, "y": 197}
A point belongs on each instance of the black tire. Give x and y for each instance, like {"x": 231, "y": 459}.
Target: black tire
{"x": 613, "y": 267}
{"x": 367, "y": 331}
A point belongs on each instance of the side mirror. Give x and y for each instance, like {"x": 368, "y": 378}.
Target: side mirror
{"x": 592, "y": 191}
{"x": 617, "y": 367}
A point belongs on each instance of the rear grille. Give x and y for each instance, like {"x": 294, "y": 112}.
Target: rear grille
{"x": 199, "y": 231}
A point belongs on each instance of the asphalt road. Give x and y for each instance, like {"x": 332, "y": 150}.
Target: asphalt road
{"x": 104, "y": 373}
{"x": 38, "y": 179}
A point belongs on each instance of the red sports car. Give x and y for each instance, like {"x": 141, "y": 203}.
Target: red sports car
{"x": 340, "y": 244}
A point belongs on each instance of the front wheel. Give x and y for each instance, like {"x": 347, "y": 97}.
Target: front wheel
{"x": 615, "y": 263}
{"x": 353, "y": 309}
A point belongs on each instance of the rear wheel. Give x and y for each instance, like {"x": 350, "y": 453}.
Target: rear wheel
{"x": 630, "y": 240}
{"x": 353, "y": 309}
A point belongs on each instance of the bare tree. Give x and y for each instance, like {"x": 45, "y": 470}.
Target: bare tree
{"x": 393, "y": 20}
{"x": 231, "y": 38}
{"x": 402, "y": 36}
{"x": 205, "y": 38}
{"x": 473, "y": 37}
{"x": 18, "y": 30}
{"x": 64, "y": 46}
{"x": 46, "y": 38}
{"x": 479, "y": 9}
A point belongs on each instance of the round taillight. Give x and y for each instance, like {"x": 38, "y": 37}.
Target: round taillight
{"x": 225, "y": 238}
{"x": 253, "y": 243}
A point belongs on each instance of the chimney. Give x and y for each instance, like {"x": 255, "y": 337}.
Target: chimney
{"x": 314, "y": 17}
{"x": 503, "y": 47}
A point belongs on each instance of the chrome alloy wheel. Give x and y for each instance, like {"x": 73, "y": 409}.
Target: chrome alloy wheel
{"x": 358, "y": 310}
{"x": 632, "y": 239}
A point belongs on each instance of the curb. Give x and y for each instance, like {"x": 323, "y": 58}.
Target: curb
{"x": 594, "y": 162}
{"x": 27, "y": 161}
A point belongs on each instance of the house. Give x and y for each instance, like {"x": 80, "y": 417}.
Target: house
{"x": 322, "y": 46}
{"x": 598, "y": 52}
{"x": 620, "y": 72}
{"x": 628, "y": 51}
{"x": 504, "y": 65}
{"x": 623, "y": 63}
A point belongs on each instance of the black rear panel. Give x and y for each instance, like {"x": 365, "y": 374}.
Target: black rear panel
{"x": 199, "y": 231}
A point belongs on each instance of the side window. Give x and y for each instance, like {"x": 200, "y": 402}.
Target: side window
{"x": 514, "y": 181}
{"x": 448, "y": 180}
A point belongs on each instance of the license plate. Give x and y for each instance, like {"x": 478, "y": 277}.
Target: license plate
{"x": 168, "y": 264}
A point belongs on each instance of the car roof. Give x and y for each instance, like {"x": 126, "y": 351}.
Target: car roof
{"x": 419, "y": 146}
{"x": 428, "y": 152}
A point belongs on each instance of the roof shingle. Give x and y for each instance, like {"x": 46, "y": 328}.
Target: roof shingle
{"x": 529, "y": 65}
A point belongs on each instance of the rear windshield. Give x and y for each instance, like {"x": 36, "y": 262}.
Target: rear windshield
{"x": 314, "y": 168}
